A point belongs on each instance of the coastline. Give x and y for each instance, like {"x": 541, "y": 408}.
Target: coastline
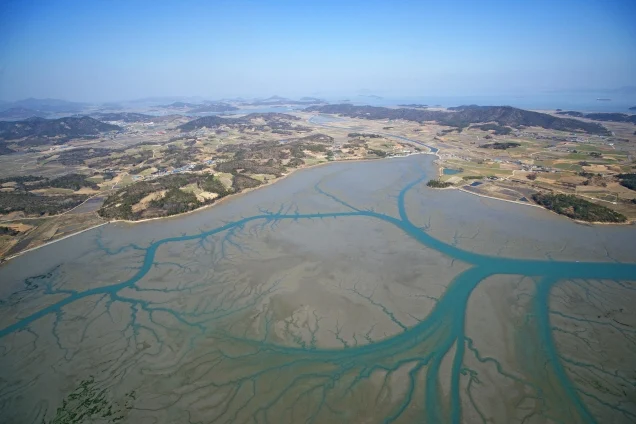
{"x": 8, "y": 258}
{"x": 268, "y": 183}
{"x": 578, "y": 221}
{"x": 218, "y": 202}
{"x": 271, "y": 182}
{"x": 241, "y": 193}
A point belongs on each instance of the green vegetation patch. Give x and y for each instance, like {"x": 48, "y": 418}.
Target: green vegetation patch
{"x": 249, "y": 166}
{"x": 363, "y": 135}
{"x": 379, "y": 153}
{"x": 212, "y": 184}
{"x": 576, "y": 208}
{"x": 438, "y": 184}
{"x": 176, "y": 201}
{"x": 32, "y": 204}
{"x": 500, "y": 146}
{"x": 4, "y": 231}
{"x": 138, "y": 170}
{"x": 89, "y": 403}
{"x": 628, "y": 180}
{"x": 498, "y": 129}
{"x": 241, "y": 182}
{"x": 71, "y": 181}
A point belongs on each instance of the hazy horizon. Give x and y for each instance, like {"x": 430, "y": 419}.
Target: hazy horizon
{"x": 118, "y": 51}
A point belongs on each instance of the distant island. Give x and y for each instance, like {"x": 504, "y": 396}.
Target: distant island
{"x": 632, "y": 108}
{"x": 415, "y": 105}
{"x": 213, "y": 107}
{"x": 206, "y": 106}
{"x": 179, "y": 105}
{"x": 278, "y": 100}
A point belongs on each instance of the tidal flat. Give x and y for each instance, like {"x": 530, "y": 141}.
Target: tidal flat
{"x": 344, "y": 293}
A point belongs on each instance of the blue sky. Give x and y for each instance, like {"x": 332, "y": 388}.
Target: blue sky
{"x": 116, "y": 50}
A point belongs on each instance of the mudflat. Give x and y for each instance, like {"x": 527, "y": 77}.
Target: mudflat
{"x": 344, "y": 293}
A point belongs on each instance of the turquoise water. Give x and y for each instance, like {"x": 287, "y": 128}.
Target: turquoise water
{"x": 182, "y": 291}
{"x": 451, "y": 171}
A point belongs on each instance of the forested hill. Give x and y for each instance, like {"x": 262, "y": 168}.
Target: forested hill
{"x": 63, "y": 127}
{"x": 463, "y": 116}
{"x": 212, "y": 121}
{"x": 273, "y": 120}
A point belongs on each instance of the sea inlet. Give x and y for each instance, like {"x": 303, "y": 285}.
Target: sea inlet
{"x": 344, "y": 293}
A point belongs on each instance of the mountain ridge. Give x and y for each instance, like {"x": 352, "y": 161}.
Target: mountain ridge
{"x": 463, "y": 116}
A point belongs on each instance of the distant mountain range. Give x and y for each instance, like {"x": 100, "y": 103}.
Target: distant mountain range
{"x": 608, "y": 117}
{"x": 462, "y": 116}
{"x": 206, "y": 106}
{"x": 73, "y": 127}
{"x": 124, "y": 117}
{"x": 46, "y": 105}
{"x": 213, "y": 107}
{"x": 163, "y": 100}
{"x": 179, "y": 105}
{"x": 415, "y": 105}
{"x": 19, "y": 113}
{"x": 278, "y": 100}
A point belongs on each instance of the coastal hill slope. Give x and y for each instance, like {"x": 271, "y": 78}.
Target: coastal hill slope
{"x": 63, "y": 127}
{"x": 463, "y": 116}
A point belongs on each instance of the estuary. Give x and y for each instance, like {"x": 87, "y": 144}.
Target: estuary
{"x": 349, "y": 292}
